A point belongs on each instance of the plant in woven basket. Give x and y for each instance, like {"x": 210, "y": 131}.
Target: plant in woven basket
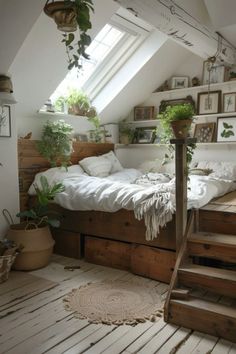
{"x": 69, "y": 16}
{"x": 78, "y": 102}
{"x": 56, "y": 143}
{"x": 40, "y": 214}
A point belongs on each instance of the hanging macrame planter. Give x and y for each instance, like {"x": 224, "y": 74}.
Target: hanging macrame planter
{"x": 63, "y": 13}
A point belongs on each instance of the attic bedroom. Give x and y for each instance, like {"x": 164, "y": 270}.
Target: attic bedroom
{"x": 118, "y": 176}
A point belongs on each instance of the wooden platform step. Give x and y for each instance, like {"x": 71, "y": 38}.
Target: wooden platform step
{"x": 221, "y": 281}
{"x": 204, "y": 316}
{"x": 213, "y": 245}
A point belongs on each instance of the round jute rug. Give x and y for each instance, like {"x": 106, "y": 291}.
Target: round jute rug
{"x": 115, "y": 302}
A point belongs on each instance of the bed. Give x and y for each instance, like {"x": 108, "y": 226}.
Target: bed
{"x": 113, "y": 234}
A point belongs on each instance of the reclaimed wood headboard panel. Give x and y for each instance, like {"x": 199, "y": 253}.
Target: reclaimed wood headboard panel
{"x": 31, "y": 162}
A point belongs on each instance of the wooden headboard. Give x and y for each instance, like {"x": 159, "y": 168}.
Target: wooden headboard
{"x": 31, "y": 162}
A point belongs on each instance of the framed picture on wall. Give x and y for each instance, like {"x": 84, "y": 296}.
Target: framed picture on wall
{"x": 144, "y": 135}
{"x": 5, "y": 122}
{"x": 204, "y": 133}
{"x": 229, "y": 102}
{"x": 213, "y": 73}
{"x": 226, "y": 129}
{"x": 208, "y": 102}
{"x": 179, "y": 82}
{"x": 144, "y": 113}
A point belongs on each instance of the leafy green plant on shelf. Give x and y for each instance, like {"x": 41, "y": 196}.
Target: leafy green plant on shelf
{"x": 97, "y": 134}
{"x": 180, "y": 112}
{"x": 56, "y": 143}
{"x": 126, "y": 132}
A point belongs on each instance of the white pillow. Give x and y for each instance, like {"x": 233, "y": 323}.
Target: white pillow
{"x": 221, "y": 169}
{"x": 150, "y": 166}
{"x": 54, "y": 175}
{"x": 96, "y": 166}
{"x": 115, "y": 163}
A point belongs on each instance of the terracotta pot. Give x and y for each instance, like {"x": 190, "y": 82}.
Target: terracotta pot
{"x": 38, "y": 246}
{"x": 76, "y": 110}
{"x": 64, "y": 14}
{"x": 125, "y": 139}
{"x": 181, "y": 128}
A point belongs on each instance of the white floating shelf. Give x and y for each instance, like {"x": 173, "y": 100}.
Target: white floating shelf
{"x": 214, "y": 115}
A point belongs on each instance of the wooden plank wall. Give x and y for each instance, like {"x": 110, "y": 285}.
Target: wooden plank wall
{"x": 31, "y": 162}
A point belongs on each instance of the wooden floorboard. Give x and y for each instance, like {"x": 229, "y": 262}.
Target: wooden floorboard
{"x": 34, "y": 321}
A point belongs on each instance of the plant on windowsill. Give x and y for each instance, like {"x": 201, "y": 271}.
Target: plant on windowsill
{"x": 56, "y": 143}
{"x": 176, "y": 122}
{"x": 70, "y": 15}
{"x": 34, "y": 234}
{"x": 79, "y": 104}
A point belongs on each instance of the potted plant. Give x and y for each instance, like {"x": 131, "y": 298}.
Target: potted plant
{"x": 56, "y": 143}
{"x": 97, "y": 134}
{"x": 78, "y": 103}
{"x": 34, "y": 234}
{"x": 126, "y": 132}
{"x": 70, "y": 15}
{"x": 178, "y": 118}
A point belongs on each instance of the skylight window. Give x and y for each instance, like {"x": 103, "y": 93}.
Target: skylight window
{"x": 108, "y": 51}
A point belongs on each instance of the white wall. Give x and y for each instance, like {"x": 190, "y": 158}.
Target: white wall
{"x": 9, "y": 194}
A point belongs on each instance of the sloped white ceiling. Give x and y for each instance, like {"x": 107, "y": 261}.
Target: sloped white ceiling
{"x": 16, "y": 20}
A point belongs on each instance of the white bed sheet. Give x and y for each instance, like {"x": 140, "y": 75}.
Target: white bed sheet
{"x": 154, "y": 203}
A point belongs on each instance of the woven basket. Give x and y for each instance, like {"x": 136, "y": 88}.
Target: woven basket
{"x": 5, "y": 266}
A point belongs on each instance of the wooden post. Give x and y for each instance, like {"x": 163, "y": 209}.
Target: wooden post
{"x": 181, "y": 187}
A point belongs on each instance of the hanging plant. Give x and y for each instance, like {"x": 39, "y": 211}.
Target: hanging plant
{"x": 70, "y": 16}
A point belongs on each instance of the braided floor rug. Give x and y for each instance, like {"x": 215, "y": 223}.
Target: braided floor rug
{"x": 115, "y": 302}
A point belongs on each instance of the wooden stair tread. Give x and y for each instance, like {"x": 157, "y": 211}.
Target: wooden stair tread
{"x": 214, "y": 307}
{"x": 213, "y": 239}
{"x": 209, "y": 271}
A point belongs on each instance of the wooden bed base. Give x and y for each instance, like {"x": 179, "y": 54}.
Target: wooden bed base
{"x": 111, "y": 239}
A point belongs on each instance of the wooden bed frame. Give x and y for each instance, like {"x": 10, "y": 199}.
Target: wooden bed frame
{"x": 111, "y": 239}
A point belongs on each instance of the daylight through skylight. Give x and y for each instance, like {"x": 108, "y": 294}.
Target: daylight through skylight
{"x": 100, "y": 47}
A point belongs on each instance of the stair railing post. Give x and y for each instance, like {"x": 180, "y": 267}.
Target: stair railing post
{"x": 181, "y": 179}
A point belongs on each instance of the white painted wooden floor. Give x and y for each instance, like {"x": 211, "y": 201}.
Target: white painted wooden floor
{"x": 33, "y": 320}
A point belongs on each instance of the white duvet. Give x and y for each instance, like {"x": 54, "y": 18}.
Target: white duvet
{"x": 154, "y": 203}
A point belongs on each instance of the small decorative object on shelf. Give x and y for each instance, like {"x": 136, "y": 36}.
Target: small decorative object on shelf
{"x": 226, "y": 129}
{"x": 209, "y": 102}
{"x": 229, "y": 102}
{"x": 179, "y": 82}
{"x": 213, "y": 72}
{"x": 49, "y": 106}
{"x": 195, "y": 81}
{"x": 144, "y": 113}
{"x": 163, "y": 87}
{"x": 204, "y": 133}
{"x": 179, "y": 101}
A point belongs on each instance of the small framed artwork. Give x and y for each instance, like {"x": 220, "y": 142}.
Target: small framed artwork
{"x": 229, "y": 102}
{"x": 204, "y": 133}
{"x": 213, "y": 73}
{"x": 208, "y": 102}
{"x": 144, "y": 135}
{"x": 144, "y": 113}
{"x": 226, "y": 129}
{"x": 179, "y": 82}
{"x": 165, "y": 103}
{"x": 5, "y": 122}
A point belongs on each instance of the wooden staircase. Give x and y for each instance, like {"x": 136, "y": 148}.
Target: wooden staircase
{"x": 187, "y": 303}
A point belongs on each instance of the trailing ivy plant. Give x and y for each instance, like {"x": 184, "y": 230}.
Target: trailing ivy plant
{"x": 56, "y": 143}
{"x": 75, "y": 49}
